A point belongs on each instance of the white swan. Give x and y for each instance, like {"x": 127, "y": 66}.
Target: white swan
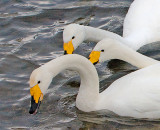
{"x": 108, "y": 49}
{"x": 141, "y": 26}
{"x": 136, "y": 94}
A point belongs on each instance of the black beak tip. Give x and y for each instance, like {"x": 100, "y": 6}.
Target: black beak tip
{"x": 34, "y": 106}
{"x": 65, "y": 52}
{"x": 31, "y": 111}
{"x": 95, "y": 63}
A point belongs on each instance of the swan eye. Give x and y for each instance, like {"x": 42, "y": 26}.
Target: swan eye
{"x": 73, "y": 37}
{"x": 102, "y": 50}
{"x": 39, "y": 82}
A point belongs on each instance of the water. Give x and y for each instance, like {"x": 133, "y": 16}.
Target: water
{"x": 31, "y": 35}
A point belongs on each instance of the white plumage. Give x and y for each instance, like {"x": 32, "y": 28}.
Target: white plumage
{"x": 136, "y": 94}
{"x": 141, "y": 26}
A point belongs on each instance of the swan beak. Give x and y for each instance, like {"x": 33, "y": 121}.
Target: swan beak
{"x": 36, "y": 98}
{"x": 94, "y": 57}
{"x": 68, "y": 47}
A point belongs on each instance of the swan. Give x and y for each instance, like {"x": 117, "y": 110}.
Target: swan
{"x": 108, "y": 49}
{"x": 141, "y": 26}
{"x": 135, "y": 95}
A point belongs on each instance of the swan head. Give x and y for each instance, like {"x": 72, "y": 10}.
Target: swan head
{"x": 40, "y": 80}
{"x": 73, "y": 36}
{"x": 106, "y": 49}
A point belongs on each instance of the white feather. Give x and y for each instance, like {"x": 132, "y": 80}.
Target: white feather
{"x": 141, "y": 26}
{"x": 136, "y": 94}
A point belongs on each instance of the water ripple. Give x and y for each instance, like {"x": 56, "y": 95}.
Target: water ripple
{"x": 31, "y": 35}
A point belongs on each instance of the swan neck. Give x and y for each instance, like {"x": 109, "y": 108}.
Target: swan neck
{"x": 89, "y": 88}
{"x": 96, "y": 34}
{"x": 136, "y": 59}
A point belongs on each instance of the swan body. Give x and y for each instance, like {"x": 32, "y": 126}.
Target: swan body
{"x": 136, "y": 94}
{"x": 108, "y": 49}
{"x": 141, "y": 26}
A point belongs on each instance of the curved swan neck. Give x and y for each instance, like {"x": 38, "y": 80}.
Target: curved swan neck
{"x": 95, "y": 34}
{"x": 89, "y": 88}
{"x": 129, "y": 55}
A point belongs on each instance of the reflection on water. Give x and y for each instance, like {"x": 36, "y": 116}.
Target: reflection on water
{"x": 31, "y": 35}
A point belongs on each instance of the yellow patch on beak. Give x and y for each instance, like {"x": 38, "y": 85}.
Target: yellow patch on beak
{"x": 68, "y": 47}
{"x": 94, "y": 56}
{"x": 36, "y": 93}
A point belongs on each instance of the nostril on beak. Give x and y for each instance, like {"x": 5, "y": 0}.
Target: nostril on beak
{"x": 65, "y": 52}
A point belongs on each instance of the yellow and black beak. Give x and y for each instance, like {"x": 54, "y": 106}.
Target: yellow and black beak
{"x": 68, "y": 48}
{"x": 94, "y": 57}
{"x": 36, "y": 98}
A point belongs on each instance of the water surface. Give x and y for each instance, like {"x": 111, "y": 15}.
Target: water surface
{"x": 31, "y": 35}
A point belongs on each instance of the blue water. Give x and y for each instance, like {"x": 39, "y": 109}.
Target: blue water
{"x": 31, "y": 35}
